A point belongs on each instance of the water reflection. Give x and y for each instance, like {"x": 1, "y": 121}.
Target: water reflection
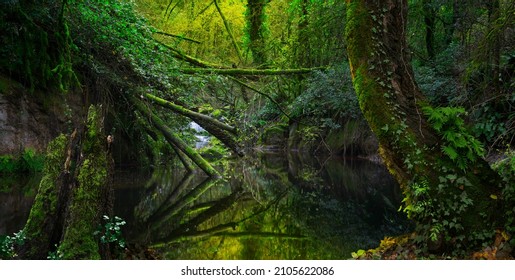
{"x": 16, "y": 197}
{"x": 269, "y": 206}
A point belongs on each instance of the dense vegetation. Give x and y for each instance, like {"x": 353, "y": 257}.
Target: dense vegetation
{"x": 434, "y": 86}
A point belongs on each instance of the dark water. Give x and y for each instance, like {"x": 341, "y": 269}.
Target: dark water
{"x": 16, "y": 197}
{"x": 268, "y": 206}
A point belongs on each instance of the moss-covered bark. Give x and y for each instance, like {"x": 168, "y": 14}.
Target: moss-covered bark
{"x": 256, "y": 29}
{"x": 249, "y": 72}
{"x": 173, "y": 139}
{"x": 73, "y": 195}
{"x": 40, "y": 226}
{"x": 450, "y": 203}
{"x": 90, "y": 198}
{"x": 188, "y": 113}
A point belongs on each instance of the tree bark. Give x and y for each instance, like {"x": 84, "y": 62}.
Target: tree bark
{"x": 188, "y": 113}
{"x": 411, "y": 147}
{"x": 256, "y": 30}
{"x": 74, "y": 194}
{"x": 190, "y": 59}
{"x": 430, "y": 21}
{"x": 213, "y": 126}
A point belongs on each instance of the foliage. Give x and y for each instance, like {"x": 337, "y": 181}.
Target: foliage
{"x": 27, "y": 162}
{"x": 55, "y": 255}
{"x": 38, "y": 46}
{"x": 459, "y": 145}
{"x": 506, "y": 168}
{"x": 8, "y": 244}
{"x": 198, "y": 20}
{"x": 111, "y": 231}
{"x": 437, "y": 79}
{"x": 440, "y": 211}
{"x": 310, "y": 34}
{"x": 328, "y": 98}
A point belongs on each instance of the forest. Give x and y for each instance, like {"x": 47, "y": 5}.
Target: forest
{"x": 257, "y": 129}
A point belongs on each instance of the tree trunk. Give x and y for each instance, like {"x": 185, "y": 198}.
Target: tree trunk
{"x": 74, "y": 194}
{"x": 188, "y": 113}
{"x": 303, "y": 46}
{"x": 448, "y": 194}
{"x": 255, "y": 30}
{"x": 430, "y": 21}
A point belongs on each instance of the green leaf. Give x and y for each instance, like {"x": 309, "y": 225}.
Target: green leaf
{"x": 450, "y": 152}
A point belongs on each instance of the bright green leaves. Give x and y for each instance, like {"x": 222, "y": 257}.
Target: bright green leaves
{"x": 459, "y": 145}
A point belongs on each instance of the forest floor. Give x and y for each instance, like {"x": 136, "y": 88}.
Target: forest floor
{"x": 405, "y": 248}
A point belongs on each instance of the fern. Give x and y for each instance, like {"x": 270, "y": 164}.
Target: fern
{"x": 459, "y": 145}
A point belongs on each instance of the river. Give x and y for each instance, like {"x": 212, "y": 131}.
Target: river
{"x": 266, "y": 206}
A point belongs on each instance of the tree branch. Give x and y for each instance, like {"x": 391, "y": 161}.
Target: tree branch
{"x": 248, "y": 71}
{"x": 228, "y": 28}
{"x": 177, "y": 36}
{"x": 261, "y": 93}
{"x": 190, "y": 59}
{"x": 188, "y": 113}
{"x": 174, "y": 139}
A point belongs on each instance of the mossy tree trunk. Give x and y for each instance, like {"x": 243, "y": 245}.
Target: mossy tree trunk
{"x": 73, "y": 196}
{"x": 256, "y": 30}
{"x": 451, "y": 196}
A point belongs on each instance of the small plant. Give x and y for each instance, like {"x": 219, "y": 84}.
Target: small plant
{"x": 55, "y": 255}
{"x": 111, "y": 232}
{"x": 7, "y": 244}
{"x": 460, "y": 146}
{"x": 27, "y": 162}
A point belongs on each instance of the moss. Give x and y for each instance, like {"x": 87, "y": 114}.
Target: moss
{"x": 274, "y": 135}
{"x": 45, "y": 203}
{"x": 4, "y": 85}
{"x": 86, "y": 205}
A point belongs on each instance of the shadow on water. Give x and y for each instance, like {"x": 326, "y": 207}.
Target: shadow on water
{"x": 16, "y": 197}
{"x": 269, "y": 206}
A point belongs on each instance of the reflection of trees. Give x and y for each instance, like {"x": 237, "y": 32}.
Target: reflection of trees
{"x": 268, "y": 208}
{"x": 174, "y": 212}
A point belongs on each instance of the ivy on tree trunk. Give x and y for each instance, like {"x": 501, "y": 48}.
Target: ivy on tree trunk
{"x": 451, "y": 202}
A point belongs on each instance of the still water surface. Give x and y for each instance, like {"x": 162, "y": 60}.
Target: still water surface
{"x": 267, "y": 206}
